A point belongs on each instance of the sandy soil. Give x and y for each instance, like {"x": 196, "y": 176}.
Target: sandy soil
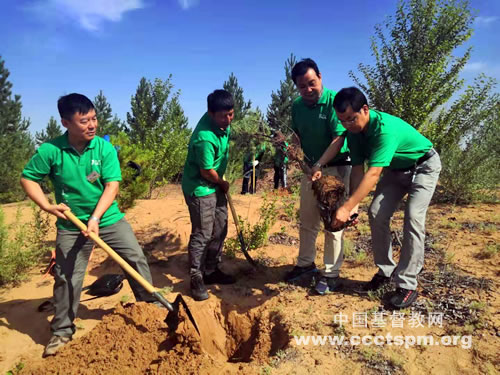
{"x": 249, "y": 327}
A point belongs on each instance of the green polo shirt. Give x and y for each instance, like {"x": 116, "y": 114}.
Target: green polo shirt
{"x": 317, "y": 126}
{"x": 208, "y": 149}
{"x": 281, "y": 155}
{"x": 257, "y": 152}
{"x": 78, "y": 179}
{"x": 387, "y": 142}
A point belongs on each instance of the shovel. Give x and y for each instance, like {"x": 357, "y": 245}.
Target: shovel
{"x": 238, "y": 230}
{"x": 172, "y": 318}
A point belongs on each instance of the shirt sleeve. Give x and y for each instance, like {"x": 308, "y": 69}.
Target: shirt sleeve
{"x": 336, "y": 127}
{"x": 110, "y": 165}
{"x": 39, "y": 165}
{"x": 295, "y": 128}
{"x": 205, "y": 154}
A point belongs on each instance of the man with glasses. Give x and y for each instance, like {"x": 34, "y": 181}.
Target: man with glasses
{"x": 321, "y": 137}
{"x": 410, "y": 166}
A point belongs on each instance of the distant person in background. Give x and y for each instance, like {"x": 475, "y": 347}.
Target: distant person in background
{"x": 205, "y": 193}
{"x": 85, "y": 173}
{"x": 254, "y": 156}
{"x": 410, "y": 165}
{"x": 280, "y": 164}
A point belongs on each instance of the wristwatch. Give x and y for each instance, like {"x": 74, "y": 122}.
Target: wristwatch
{"x": 95, "y": 218}
{"x": 317, "y": 165}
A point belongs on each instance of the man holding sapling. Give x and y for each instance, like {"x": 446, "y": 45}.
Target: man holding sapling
{"x": 205, "y": 193}
{"x": 410, "y": 166}
{"x": 317, "y": 130}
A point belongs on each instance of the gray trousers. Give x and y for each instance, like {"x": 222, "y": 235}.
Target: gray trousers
{"x": 419, "y": 183}
{"x": 208, "y": 231}
{"x": 72, "y": 255}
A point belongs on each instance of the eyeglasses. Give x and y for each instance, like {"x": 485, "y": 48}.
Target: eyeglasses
{"x": 351, "y": 121}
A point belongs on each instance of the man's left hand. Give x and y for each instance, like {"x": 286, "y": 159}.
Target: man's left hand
{"x": 92, "y": 226}
{"x": 316, "y": 173}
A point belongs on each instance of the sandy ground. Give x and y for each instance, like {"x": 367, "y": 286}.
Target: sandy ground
{"x": 249, "y": 327}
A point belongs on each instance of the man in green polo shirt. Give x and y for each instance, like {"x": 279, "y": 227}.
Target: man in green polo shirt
{"x": 85, "y": 173}
{"x": 204, "y": 191}
{"x": 317, "y": 130}
{"x": 410, "y": 166}
{"x": 280, "y": 162}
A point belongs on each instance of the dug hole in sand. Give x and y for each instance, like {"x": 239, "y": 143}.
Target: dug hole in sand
{"x": 135, "y": 340}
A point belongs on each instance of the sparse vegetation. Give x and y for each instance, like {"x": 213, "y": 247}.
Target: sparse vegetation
{"x": 488, "y": 251}
{"x": 22, "y": 244}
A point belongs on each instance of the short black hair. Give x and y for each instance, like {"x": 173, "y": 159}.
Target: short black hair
{"x": 220, "y": 100}
{"x": 302, "y": 67}
{"x": 70, "y": 104}
{"x": 349, "y": 96}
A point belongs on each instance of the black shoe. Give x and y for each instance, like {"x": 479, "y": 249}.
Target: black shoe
{"x": 198, "y": 289}
{"x": 297, "y": 272}
{"x": 377, "y": 282}
{"x": 218, "y": 277}
{"x": 327, "y": 285}
{"x": 402, "y": 298}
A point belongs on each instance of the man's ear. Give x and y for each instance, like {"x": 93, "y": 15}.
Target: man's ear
{"x": 64, "y": 122}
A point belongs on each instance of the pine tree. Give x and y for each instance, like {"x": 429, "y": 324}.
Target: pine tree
{"x": 279, "y": 112}
{"x": 16, "y": 144}
{"x": 107, "y": 124}
{"x": 241, "y": 107}
{"x": 53, "y": 130}
{"x": 158, "y": 124}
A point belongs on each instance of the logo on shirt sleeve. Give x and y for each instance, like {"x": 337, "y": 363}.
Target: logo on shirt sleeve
{"x": 322, "y": 116}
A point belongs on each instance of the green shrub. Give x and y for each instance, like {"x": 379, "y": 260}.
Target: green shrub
{"x": 22, "y": 245}
{"x": 255, "y": 236}
{"x": 133, "y": 187}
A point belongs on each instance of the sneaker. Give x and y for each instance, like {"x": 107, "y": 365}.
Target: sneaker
{"x": 375, "y": 283}
{"x": 327, "y": 285}
{"x": 55, "y": 343}
{"x": 402, "y": 298}
{"x": 198, "y": 288}
{"x": 297, "y": 272}
{"x": 218, "y": 277}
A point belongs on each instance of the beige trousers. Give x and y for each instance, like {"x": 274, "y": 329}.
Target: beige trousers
{"x": 310, "y": 225}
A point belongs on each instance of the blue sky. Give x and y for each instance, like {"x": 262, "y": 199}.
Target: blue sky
{"x": 54, "y": 47}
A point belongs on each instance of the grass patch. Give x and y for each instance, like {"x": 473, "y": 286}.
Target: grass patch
{"x": 489, "y": 251}
{"x": 19, "y": 366}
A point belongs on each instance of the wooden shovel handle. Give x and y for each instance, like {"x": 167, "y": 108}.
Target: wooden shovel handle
{"x": 113, "y": 254}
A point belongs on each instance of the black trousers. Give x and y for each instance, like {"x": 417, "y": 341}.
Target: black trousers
{"x": 208, "y": 230}
{"x": 247, "y": 186}
{"x": 280, "y": 176}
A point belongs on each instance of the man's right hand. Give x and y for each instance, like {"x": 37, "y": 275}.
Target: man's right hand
{"x": 57, "y": 210}
{"x": 224, "y": 185}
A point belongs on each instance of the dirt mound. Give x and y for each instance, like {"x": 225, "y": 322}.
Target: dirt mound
{"x": 135, "y": 340}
